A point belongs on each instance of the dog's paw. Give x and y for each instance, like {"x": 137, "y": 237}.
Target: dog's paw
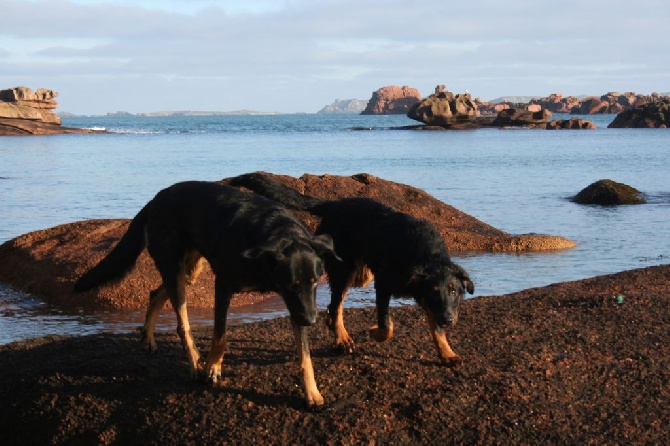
{"x": 148, "y": 345}
{"x": 344, "y": 347}
{"x": 214, "y": 375}
{"x": 315, "y": 402}
{"x": 381, "y": 335}
{"x": 453, "y": 361}
{"x": 344, "y": 343}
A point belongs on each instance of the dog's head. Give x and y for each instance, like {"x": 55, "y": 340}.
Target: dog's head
{"x": 296, "y": 266}
{"x": 440, "y": 289}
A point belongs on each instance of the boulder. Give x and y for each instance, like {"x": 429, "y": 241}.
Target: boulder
{"x": 572, "y": 124}
{"x": 48, "y": 262}
{"x": 23, "y": 103}
{"x": 651, "y": 115}
{"x": 392, "y": 100}
{"x": 444, "y": 109}
{"x": 515, "y": 117}
{"x": 608, "y": 193}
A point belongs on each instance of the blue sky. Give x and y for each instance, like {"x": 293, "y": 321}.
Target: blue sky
{"x": 300, "y": 55}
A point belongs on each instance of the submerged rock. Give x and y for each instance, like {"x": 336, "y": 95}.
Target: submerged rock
{"x": 608, "y": 192}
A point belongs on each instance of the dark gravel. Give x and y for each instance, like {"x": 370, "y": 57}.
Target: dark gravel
{"x": 565, "y": 364}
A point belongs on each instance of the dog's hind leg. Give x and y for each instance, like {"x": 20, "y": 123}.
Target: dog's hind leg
{"x": 174, "y": 281}
{"x": 383, "y": 331}
{"x": 341, "y": 279}
{"x": 444, "y": 351}
{"x": 312, "y": 394}
{"x": 214, "y": 361}
{"x": 158, "y": 298}
{"x": 335, "y": 320}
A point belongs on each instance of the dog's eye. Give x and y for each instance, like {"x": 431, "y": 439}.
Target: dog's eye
{"x": 296, "y": 283}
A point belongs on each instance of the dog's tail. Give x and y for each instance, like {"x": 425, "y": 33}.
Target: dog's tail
{"x": 275, "y": 190}
{"x": 121, "y": 259}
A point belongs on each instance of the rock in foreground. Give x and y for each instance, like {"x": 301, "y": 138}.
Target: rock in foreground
{"x": 584, "y": 362}
{"x": 47, "y": 263}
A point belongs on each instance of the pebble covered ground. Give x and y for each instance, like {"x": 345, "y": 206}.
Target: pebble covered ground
{"x": 584, "y": 362}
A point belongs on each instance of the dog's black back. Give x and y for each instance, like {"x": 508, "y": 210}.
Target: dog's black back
{"x": 250, "y": 242}
{"x": 397, "y": 247}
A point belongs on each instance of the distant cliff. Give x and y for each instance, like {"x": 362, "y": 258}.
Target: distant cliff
{"x": 345, "y": 106}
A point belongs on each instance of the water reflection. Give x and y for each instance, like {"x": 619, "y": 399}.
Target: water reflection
{"x": 22, "y": 316}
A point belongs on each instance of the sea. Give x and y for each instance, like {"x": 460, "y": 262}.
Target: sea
{"x": 517, "y": 180}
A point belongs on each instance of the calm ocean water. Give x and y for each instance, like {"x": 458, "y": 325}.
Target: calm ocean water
{"x": 516, "y": 180}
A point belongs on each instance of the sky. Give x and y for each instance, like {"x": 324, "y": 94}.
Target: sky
{"x": 293, "y": 56}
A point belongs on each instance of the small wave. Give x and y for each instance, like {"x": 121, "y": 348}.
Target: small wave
{"x": 96, "y": 129}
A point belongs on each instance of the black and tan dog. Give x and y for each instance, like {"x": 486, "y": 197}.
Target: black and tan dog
{"x": 406, "y": 257}
{"x": 251, "y": 244}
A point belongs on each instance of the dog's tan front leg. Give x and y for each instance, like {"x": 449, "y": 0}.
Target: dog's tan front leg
{"x": 312, "y": 394}
{"x": 444, "y": 351}
{"x": 158, "y": 298}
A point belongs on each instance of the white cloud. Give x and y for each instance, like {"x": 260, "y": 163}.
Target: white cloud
{"x": 298, "y": 55}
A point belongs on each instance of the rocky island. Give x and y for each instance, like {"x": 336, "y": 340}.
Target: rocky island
{"x": 27, "y": 112}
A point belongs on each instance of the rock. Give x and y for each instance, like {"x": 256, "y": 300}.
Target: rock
{"x": 608, "y": 192}
{"x": 651, "y": 115}
{"x": 515, "y": 117}
{"x": 556, "y": 103}
{"x": 573, "y": 124}
{"x": 27, "y": 112}
{"x": 444, "y": 109}
{"x": 591, "y": 106}
{"x": 47, "y": 263}
{"x": 392, "y": 100}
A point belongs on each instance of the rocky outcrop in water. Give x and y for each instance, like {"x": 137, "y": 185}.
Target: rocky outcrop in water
{"x": 515, "y": 117}
{"x": 444, "y": 109}
{"x": 608, "y": 193}
{"x": 392, "y": 100}
{"x": 27, "y": 112}
{"x": 46, "y": 263}
{"x": 570, "y": 124}
{"x": 609, "y": 103}
{"x": 652, "y": 115}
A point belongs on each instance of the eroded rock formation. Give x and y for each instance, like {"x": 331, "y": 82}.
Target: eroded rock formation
{"x": 444, "y": 109}
{"x": 27, "y": 112}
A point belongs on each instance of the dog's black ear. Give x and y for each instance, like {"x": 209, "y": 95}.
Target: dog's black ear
{"x": 273, "y": 248}
{"x": 464, "y": 278}
{"x": 323, "y": 245}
